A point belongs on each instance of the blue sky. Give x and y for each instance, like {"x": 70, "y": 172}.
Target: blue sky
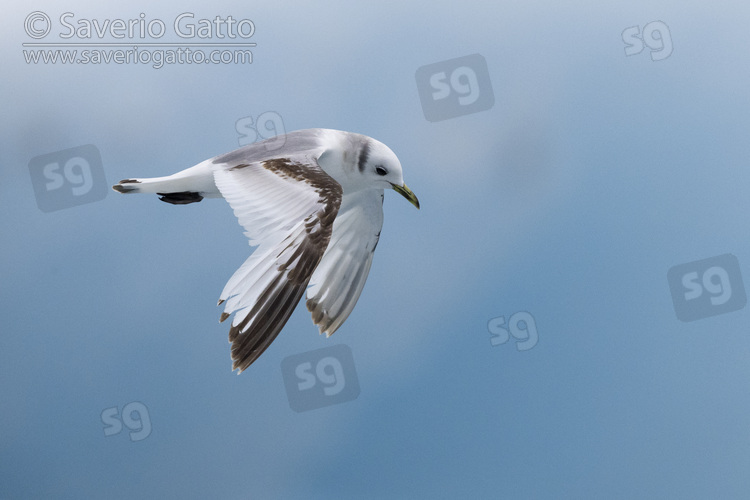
{"x": 590, "y": 177}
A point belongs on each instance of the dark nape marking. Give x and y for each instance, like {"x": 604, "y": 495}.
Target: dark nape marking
{"x": 364, "y": 153}
{"x": 181, "y": 198}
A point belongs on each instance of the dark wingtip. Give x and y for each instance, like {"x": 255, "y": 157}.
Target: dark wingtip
{"x": 181, "y": 198}
{"x": 124, "y": 189}
{"x": 223, "y": 317}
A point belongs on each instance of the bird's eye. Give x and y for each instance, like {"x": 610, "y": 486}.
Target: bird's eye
{"x": 380, "y": 170}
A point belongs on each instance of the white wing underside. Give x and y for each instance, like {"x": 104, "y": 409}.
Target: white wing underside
{"x": 338, "y": 280}
{"x": 290, "y": 224}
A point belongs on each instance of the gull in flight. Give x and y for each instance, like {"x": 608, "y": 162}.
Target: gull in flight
{"x": 312, "y": 207}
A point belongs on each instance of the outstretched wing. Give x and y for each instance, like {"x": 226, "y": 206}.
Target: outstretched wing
{"x": 338, "y": 280}
{"x": 287, "y": 207}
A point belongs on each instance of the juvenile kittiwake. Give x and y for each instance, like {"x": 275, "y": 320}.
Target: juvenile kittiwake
{"x": 313, "y": 208}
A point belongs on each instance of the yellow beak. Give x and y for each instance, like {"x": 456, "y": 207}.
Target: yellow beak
{"x": 407, "y": 193}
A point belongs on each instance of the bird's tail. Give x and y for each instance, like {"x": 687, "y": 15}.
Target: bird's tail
{"x": 188, "y": 186}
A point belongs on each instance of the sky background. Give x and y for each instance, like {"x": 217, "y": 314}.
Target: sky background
{"x": 590, "y": 177}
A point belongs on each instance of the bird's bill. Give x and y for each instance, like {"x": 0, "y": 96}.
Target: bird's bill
{"x": 407, "y": 193}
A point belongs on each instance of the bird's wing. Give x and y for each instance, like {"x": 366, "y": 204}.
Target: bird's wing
{"x": 287, "y": 207}
{"x": 339, "y": 278}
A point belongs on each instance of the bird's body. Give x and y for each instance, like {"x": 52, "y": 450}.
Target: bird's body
{"x": 313, "y": 208}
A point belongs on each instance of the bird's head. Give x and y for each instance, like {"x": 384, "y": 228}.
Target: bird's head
{"x": 380, "y": 166}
